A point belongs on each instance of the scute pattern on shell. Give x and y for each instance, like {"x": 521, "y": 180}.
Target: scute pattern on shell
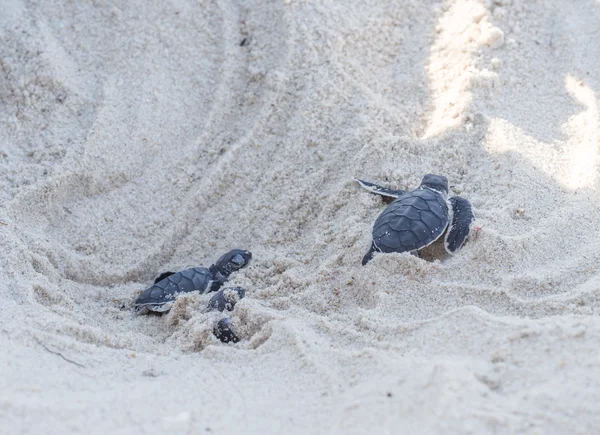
{"x": 411, "y": 222}
{"x": 196, "y": 278}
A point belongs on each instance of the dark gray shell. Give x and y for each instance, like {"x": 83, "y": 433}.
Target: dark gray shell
{"x": 413, "y": 221}
{"x": 165, "y": 291}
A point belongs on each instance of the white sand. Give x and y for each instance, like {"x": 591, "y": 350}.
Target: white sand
{"x": 143, "y": 138}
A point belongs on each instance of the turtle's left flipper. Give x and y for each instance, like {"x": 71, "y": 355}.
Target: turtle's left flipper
{"x": 225, "y": 299}
{"x": 379, "y": 190}
{"x": 369, "y": 255}
{"x": 459, "y": 228}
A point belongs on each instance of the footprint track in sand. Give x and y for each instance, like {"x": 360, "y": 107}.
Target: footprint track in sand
{"x": 90, "y": 217}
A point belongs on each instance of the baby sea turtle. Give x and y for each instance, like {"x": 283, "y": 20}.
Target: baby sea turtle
{"x": 160, "y": 297}
{"x": 418, "y": 218}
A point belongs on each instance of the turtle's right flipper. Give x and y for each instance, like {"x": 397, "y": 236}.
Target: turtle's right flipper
{"x": 462, "y": 219}
{"x": 224, "y": 332}
{"x": 163, "y": 276}
{"x": 379, "y": 190}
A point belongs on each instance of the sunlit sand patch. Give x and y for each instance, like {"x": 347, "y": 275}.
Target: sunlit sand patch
{"x": 583, "y": 143}
{"x": 573, "y": 163}
{"x": 502, "y": 137}
{"x": 462, "y": 29}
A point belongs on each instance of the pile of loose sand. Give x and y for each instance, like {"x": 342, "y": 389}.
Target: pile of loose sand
{"x": 146, "y": 137}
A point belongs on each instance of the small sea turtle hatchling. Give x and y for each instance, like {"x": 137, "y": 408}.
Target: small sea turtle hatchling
{"x": 418, "y": 218}
{"x": 161, "y": 295}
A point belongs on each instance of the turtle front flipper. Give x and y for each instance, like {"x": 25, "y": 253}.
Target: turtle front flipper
{"x": 379, "y": 190}
{"x": 459, "y": 228}
{"x": 163, "y": 276}
{"x": 223, "y": 330}
{"x": 226, "y": 299}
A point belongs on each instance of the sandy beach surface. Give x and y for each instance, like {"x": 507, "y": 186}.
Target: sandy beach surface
{"x": 143, "y": 136}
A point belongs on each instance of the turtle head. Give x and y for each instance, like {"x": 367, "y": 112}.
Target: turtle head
{"x": 439, "y": 183}
{"x": 233, "y": 261}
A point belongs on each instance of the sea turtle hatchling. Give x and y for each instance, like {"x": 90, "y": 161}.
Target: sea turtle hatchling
{"x": 418, "y": 218}
{"x": 160, "y": 297}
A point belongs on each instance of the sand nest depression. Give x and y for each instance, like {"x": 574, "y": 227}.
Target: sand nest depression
{"x": 142, "y": 137}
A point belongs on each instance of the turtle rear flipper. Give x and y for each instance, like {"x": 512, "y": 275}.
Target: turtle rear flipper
{"x": 379, "y": 190}
{"x": 459, "y": 228}
{"x": 369, "y": 255}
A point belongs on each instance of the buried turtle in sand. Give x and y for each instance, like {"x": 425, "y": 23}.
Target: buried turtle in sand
{"x": 161, "y": 296}
{"x": 417, "y": 218}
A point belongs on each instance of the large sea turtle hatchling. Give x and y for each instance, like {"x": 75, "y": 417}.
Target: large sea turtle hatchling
{"x": 418, "y": 218}
{"x": 160, "y": 297}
